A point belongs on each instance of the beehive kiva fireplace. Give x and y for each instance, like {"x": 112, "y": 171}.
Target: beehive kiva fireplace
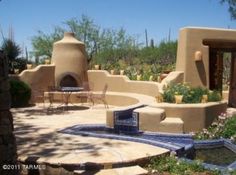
{"x": 69, "y": 58}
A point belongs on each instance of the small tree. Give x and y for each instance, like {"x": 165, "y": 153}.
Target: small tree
{"x": 87, "y": 31}
{"x": 232, "y": 7}
{"x": 102, "y": 45}
{"x": 43, "y": 43}
{"x": 167, "y": 52}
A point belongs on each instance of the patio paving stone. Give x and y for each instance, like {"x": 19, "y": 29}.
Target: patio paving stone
{"x": 37, "y": 137}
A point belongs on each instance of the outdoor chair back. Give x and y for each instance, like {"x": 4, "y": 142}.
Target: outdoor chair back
{"x": 86, "y": 93}
{"x": 100, "y": 97}
{"x": 38, "y": 95}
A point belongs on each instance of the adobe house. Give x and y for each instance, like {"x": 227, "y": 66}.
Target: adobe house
{"x": 200, "y": 57}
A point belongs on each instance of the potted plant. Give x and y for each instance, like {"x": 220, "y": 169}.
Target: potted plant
{"x": 112, "y": 71}
{"x": 151, "y": 78}
{"x": 29, "y": 66}
{"x": 96, "y": 66}
{"x": 139, "y": 77}
{"x": 47, "y": 61}
{"x": 204, "y": 98}
{"x": 178, "y": 98}
{"x": 159, "y": 98}
{"x": 16, "y": 71}
{"x": 122, "y": 72}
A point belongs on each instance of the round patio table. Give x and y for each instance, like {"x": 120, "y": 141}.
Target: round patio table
{"x": 66, "y": 92}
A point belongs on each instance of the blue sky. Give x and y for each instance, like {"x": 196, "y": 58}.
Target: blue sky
{"x": 157, "y": 16}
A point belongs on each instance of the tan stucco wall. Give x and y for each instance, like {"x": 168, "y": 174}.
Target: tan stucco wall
{"x": 40, "y": 77}
{"x": 190, "y": 41}
{"x": 119, "y": 83}
{"x": 195, "y": 116}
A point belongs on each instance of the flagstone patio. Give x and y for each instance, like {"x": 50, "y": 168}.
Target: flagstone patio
{"x": 38, "y": 139}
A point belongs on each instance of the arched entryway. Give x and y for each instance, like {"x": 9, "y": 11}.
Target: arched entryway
{"x": 217, "y": 51}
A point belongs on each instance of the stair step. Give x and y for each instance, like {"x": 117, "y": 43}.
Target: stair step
{"x": 172, "y": 125}
{"x": 132, "y": 170}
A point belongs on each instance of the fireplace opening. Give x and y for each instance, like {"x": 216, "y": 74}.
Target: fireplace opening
{"x": 68, "y": 81}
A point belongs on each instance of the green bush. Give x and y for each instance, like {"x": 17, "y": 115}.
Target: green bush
{"x": 190, "y": 94}
{"x": 176, "y": 89}
{"x": 214, "y": 96}
{"x": 229, "y": 127}
{"x": 172, "y": 165}
{"x": 20, "y": 93}
{"x": 195, "y": 95}
{"x": 224, "y": 126}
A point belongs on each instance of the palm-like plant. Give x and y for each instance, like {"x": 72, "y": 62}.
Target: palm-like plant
{"x": 11, "y": 50}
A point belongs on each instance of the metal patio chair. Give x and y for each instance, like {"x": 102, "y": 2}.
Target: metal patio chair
{"x": 38, "y": 96}
{"x": 100, "y": 97}
{"x": 86, "y": 93}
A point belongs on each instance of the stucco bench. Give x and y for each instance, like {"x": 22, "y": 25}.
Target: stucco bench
{"x": 150, "y": 118}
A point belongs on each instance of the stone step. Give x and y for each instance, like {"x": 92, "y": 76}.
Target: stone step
{"x": 132, "y": 170}
{"x": 150, "y": 118}
{"x": 172, "y": 125}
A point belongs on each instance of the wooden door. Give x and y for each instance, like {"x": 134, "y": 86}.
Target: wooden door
{"x": 216, "y": 69}
{"x": 232, "y": 86}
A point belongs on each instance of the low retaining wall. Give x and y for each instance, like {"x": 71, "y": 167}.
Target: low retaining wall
{"x": 40, "y": 77}
{"x": 112, "y": 98}
{"x": 121, "y": 83}
{"x": 195, "y": 116}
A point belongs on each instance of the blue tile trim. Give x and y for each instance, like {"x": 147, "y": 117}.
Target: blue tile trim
{"x": 180, "y": 143}
{"x": 126, "y": 121}
{"x": 175, "y": 143}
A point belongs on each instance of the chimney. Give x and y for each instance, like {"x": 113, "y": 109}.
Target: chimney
{"x": 69, "y": 58}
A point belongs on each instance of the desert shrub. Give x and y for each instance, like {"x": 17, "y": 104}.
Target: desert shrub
{"x": 20, "y": 93}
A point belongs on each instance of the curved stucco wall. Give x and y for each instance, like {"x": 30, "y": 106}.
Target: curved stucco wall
{"x": 190, "y": 41}
{"x": 112, "y": 98}
{"x": 41, "y": 77}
